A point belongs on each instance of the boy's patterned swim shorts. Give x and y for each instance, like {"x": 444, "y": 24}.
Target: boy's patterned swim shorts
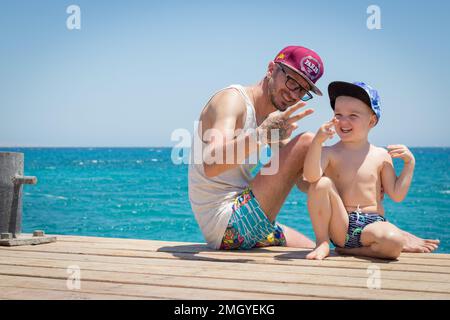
{"x": 357, "y": 221}
{"x": 249, "y": 227}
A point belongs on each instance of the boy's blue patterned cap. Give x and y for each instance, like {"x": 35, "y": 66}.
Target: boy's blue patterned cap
{"x": 358, "y": 90}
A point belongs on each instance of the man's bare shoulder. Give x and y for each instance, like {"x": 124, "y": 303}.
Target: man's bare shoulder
{"x": 226, "y": 103}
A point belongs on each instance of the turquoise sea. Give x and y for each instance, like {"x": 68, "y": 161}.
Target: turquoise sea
{"x": 139, "y": 193}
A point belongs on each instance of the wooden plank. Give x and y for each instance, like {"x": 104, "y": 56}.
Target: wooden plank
{"x": 218, "y": 273}
{"x": 132, "y": 291}
{"x": 292, "y": 253}
{"x": 14, "y": 293}
{"x": 286, "y": 259}
{"x": 142, "y": 242}
{"x": 226, "y": 284}
{"x": 229, "y": 267}
{"x": 141, "y": 267}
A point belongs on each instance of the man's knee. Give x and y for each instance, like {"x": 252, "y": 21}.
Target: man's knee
{"x": 300, "y": 143}
{"x": 294, "y": 153}
{"x": 304, "y": 140}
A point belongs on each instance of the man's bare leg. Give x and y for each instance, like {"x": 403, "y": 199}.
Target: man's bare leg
{"x": 328, "y": 217}
{"x": 271, "y": 191}
{"x": 296, "y": 239}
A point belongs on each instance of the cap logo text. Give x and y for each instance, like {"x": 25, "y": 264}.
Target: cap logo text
{"x": 310, "y": 66}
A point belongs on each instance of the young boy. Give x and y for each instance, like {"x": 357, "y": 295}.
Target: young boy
{"x": 348, "y": 179}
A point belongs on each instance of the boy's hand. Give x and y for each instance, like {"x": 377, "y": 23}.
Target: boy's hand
{"x": 402, "y": 152}
{"x": 326, "y": 131}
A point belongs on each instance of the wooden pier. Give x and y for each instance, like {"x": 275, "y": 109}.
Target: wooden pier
{"x": 112, "y": 268}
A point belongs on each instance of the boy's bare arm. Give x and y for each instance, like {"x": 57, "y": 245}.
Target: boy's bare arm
{"x": 316, "y": 160}
{"x": 312, "y": 169}
{"x": 397, "y": 187}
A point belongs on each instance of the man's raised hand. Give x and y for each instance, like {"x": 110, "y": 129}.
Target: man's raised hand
{"x": 283, "y": 122}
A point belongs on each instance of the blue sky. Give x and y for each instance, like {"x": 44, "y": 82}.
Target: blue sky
{"x": 137, "y": 70}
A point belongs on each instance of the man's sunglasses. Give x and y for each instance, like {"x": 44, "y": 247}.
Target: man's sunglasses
{"x": 294, "y": 86}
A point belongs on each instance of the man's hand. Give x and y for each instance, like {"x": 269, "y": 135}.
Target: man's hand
{"x": 283, "y": 122}
{"x": 402, "y": 152}
{"x": 326, "y": 131}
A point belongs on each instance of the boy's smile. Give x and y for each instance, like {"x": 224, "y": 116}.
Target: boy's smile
{"x": 345, "y": 130}
{"x": 355, "y": 119}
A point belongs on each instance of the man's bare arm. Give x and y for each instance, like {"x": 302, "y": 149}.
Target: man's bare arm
{"x": 221, "y": 139}
{"x": 224, "y": 118}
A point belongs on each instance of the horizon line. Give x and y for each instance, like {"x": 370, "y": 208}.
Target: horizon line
{"x": 142, "y": 147}
{"x": 86, "y": 146}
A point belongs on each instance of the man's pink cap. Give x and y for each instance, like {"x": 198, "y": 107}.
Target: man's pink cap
{"x": 305, "y": 62}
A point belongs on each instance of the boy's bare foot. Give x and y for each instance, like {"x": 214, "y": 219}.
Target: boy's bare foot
{"x": 320, "y": 252}
{"x": 416, "y": 244}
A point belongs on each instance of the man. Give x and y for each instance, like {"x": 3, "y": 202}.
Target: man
{"x": 236, "y": 208}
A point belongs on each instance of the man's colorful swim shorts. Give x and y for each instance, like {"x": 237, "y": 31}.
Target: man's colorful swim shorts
{"x": 249, "y": 227}
{"x": 357, "y": 221}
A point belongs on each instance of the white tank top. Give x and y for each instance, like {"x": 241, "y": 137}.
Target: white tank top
{"x": 212, "y": 198}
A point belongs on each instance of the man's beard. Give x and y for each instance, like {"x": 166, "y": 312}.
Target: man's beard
{"x": 272, "y": 98}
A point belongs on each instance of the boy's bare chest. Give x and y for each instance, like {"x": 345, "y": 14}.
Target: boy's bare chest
{"x": 354, "y": 170}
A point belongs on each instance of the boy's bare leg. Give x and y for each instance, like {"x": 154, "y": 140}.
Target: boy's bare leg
{"x": 380, "y": 240}
{"x": 416, "y": 244}
{"x": 362, "y": 252}
{"x": 328, "y": 217}
{"x": 412, "y": 243}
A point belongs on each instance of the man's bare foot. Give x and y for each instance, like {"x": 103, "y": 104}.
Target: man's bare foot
{"x": 416, "y": 244}
{"x": 320, "y": 252}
